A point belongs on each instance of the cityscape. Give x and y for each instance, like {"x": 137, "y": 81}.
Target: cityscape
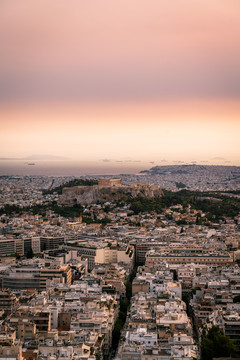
{"x": 102, "y": 267}
{"x": 120, "y": 180}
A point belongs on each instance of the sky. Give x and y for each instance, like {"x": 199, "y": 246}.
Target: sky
{"x": 104, "y": 80}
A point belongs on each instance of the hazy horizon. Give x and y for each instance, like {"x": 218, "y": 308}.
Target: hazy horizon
{"x": 83, "y": 168}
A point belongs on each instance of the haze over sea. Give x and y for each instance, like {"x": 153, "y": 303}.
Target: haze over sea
{"x": 70, "y": 168}
{"x": 82, "y": 168}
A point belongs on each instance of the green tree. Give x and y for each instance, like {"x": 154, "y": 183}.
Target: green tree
{"x": 128, "y": 290}
{"x": 117, "y": 332}
{"x": 236, "y": 299}
{"x": 216, "y": 344}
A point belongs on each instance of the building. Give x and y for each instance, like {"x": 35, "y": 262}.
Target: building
{"x": 19, "y": 247}
{"x": 21, "y": 278}
{"x": 36, "y": 246}
{"x": 8, "y": 300}
{"x": 36, "y": 277}
{"x": 26, "y": 329}
{"x": 23, "y": 247}
{"x": 13, "y": 352}
{"x": 62, "y": 273}
{"x": 141, "y": 248}
{"x": 50, "y": 242}
{"x": 232, "y": 328}
{"x": 188, "y": 256}
{"x": 27, "y": 246}
{"x": 43, "y": 321}
{"x": 7, "y": 247}
{"x": 110, "y": 182}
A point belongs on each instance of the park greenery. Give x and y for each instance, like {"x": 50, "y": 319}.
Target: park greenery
{"x": 215, "y": 344}
{"x": 65, "y": 211}
{"x": 215, "y": 205}
{"x": 180, "y": 185}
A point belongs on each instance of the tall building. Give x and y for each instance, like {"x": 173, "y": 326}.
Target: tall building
{"x": 50, "y": 242}
{"x": 7, "y": 247}
{"x": 20, "y": 278}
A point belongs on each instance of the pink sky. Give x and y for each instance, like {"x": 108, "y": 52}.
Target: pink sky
{"x": 144, "y": 79}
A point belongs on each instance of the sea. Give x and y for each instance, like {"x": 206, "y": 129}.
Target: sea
{"x": 70, "y": 168}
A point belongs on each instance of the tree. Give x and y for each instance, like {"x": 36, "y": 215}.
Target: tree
{"x": 128, "y": 290}
{"x": 216, "y": 344}
{"x": 236, "y": 299}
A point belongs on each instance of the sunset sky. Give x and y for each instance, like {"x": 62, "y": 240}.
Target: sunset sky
{"x": 105, "y": 80}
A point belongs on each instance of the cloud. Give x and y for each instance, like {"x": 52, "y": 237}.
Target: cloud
{"x": 38, "y": 157}
{"x": 105, "y": 160}
{"x": 218, "y": 158}
{"x": 132, "y": 161}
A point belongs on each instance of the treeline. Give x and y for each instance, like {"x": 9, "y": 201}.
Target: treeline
{"x": 72, "y": 183}
{"x": 65, "y": 211}
{"x": 236, "y": 192}
{"x": 180, "y": 185}
{"x": 41, "y": 209}
{"x": 124, "y": 307}
{"x": 10, "y": 209}
{"x": 217, "y": 207}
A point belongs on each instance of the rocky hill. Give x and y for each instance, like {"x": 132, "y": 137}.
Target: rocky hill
{"x": 92, "y": 194}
